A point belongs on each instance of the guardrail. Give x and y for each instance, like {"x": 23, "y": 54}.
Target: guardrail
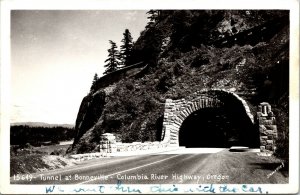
{"x": 108, "y": 146}
{"x": 117, "y": 75}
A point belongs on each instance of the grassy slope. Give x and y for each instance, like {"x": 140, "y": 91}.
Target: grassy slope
{"x": 36, "y": 162}
{"x": 37, "y": 159}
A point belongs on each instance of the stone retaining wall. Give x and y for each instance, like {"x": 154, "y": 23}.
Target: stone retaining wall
{"x": 86, "y": 156}
{"x": 108, "y": 144}
{"x": 138, "y": 146}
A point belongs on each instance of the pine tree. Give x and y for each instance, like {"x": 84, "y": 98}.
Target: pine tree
{"x": 94, "y": 82}
{"x": 113, "y": 58}
{"x": 126, "y": 48}
{"x": 156, "y": 16}
{"x": 95, "y": 79}
{"x": 153, "y": 16}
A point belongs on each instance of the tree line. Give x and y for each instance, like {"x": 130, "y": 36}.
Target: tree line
{"x": 118, "y": 59}
{"x": 23, "y": 134}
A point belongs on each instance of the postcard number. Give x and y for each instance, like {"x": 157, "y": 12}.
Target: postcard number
{"x": 23, "y": 177}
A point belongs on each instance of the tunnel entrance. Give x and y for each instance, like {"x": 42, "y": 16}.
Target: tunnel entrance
{"x": 217, "y": 128}
{"x": 211, "y": 118}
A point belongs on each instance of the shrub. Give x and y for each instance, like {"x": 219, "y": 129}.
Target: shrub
{"x": 282, "y": 142}
{"x": 200, "y": 60}
{"x": 149, "y": 104}
{"x": 178, "y": 69}
{"x": 165, "y": 82}
{"x": 27, "y": 146}
{"x": 129, "y": 85}
{"x": 58, "y": 152}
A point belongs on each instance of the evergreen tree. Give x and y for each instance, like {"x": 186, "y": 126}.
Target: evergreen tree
{"x": 94, "y": 82}
{"x": 156, "y": 16}
{"x": 113, "y": 58}
{"x": 95, "y": 78}
{"x": 126, "y": 48}
{"x": 153, "y": 17}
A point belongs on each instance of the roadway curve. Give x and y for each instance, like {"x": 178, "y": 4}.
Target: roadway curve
{"x": 179, "y": 167}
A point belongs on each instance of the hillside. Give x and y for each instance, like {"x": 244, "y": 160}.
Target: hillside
{"x": 184, "y": 51}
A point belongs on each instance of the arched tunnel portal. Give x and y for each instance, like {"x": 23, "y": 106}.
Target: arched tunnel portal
{"x": 210, "y": 118}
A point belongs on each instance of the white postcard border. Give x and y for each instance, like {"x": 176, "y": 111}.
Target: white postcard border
{"x": 7, "y": 5}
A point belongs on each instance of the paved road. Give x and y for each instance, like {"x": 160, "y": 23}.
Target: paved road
{"x": 180, "y": 167}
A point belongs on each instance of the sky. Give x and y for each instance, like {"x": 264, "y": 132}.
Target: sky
{"x": 55, "y": 54}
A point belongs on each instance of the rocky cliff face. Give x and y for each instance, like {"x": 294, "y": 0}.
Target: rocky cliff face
{"x": 89, "y": 112}
{"x": 244, "y": 51}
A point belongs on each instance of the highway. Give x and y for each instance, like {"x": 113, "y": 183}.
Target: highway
{"x": 186, "y": 166}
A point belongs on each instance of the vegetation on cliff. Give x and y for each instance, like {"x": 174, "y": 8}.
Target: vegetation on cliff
{"x": 186, "y": 50}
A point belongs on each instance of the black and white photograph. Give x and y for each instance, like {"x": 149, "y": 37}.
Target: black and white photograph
{"x": 149, "y": 99}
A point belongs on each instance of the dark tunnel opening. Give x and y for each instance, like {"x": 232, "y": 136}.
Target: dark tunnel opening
{"x": 218, "y": 128}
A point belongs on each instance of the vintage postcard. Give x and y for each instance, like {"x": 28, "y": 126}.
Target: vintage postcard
{"x": 149, "y": 97}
